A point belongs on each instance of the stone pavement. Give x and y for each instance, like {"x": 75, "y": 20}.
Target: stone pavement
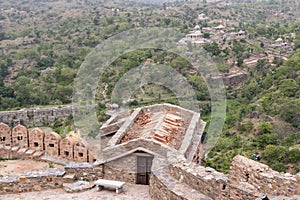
{"x": 130, "y": 192}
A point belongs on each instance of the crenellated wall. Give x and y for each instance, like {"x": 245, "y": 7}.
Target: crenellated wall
{"x": 21, "y": 143}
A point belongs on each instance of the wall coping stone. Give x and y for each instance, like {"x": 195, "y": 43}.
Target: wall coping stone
{"x": 77, "y": 165}
{"x": 44, "y": 172}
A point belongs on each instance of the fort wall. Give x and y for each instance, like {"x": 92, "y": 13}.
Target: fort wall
{"x": 37, "y": 116}
{"x": 34, "y": 143}
{"x": 34, "y": 180}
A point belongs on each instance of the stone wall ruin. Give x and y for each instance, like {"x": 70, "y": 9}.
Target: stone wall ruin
{"x": 37, "y": 116}
{"x": 21, "y": 143}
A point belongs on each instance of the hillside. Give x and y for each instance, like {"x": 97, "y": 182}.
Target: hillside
{"x": 254, "y": 44}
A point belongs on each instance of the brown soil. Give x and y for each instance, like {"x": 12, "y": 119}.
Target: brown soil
{"x": 19, "y": 166}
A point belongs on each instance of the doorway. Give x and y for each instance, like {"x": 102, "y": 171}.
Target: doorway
{"x": 143, "y": 169}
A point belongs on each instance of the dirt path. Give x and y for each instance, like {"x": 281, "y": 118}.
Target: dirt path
{"x": 19, "y": 166}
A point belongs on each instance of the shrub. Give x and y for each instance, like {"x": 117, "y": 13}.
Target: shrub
{"x": 293, "y": 156}
{"x": 267, "y": 139}
{"x": 274, "y": 154}
{"x": 264, "y": 128}
{"x": 280, "y": 167}
{"x": 291, "y": 139}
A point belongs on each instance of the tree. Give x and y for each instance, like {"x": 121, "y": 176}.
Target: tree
{"x": 291, "y": 139}
{"x": 212, "y": 48}
{"x": 289, "y": 87}
{"x": 274, "y": 154}
{"x": 293, "y": 156}
{"x": 289, "y": 111}
{"x": 206, "y": 35}
{"x": 267, "y": 139}
{"x": 264, "y": 128}
{"x": 2, "y": 36}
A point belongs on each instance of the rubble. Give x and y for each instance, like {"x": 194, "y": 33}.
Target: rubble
{"x": 78, "y": 186}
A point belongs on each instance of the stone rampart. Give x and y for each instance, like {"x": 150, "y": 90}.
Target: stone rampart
{"x": 37, "y": 116}
{"x": 262, "y": 178}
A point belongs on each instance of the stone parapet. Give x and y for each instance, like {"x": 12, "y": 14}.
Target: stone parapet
{"x": 263, "y": 178}
{"x": 84, "y": 171}
{"x": 165, "y": 186}
{"x": 34, "y": 180}
{"x": 205, "y": 180}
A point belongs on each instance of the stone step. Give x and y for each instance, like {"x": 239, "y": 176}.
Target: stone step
{"x": 22, "y": 151}
{"x": 15, "y": 148}
{"x": 38, "y": 154}
{"x": 29, "y": 152}
{"x": 69, "y": 178}
{"x": 7, "y": 148}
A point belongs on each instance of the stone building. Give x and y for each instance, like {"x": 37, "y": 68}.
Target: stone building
{"x": 94, "y": 153}
{"x": 36, "y": 139}
{"x": 20, "y": 136}
{"x": 150, "y": 131}
{"x": 66, "y": 146}
{"x": 81, "y": 149}
{"x": 52, "y": 141}
{"x": 5, "y": 135}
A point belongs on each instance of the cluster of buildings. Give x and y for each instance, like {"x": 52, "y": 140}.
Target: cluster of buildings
{"x": 209, "y": 34}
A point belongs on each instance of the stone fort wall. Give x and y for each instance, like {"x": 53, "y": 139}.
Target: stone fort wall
{"x": 37, "y": 116}
{"x": 21, "y": 142}
{"x": 247, "y": 180}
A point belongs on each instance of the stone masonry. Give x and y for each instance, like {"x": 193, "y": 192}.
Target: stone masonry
{"x": 5, "y": 135}
{"x": 37, "y": 116}
{"x": 173, "y": 174}
{"x": 21, "y": 143}
{"x": 20, "y": 136}
{"x": 52, "y": 141}
{"x": 67, "y": 148}
{"x": 36, "y": 139}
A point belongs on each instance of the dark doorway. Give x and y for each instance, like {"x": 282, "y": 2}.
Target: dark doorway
{"x": 143, "y": 169}
{"x": 66, "y": 153}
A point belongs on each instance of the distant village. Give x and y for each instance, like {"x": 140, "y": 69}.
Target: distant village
{"x": 219, "y": 32}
